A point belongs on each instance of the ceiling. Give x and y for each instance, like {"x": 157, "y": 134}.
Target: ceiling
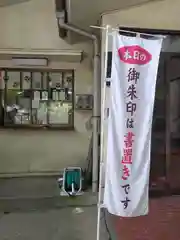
{"x": 84, "y": 13}
{"x": 4, "y": 3}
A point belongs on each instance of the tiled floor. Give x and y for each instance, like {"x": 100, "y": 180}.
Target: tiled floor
{"x": 162, "y": 223}
{"x": 35, "y": 203}
{"x": 57, "y": 224}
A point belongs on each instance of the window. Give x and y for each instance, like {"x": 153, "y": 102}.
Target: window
{"x": 37, "y": 98}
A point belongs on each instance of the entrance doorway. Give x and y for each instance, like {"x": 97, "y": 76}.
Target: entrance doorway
{"x": 165, "y": 151}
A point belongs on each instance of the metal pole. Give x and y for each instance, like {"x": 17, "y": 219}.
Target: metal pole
{"x": 97, "y": 97}
{"x": 96, "y": 116}
{"x": 102, "y": 136}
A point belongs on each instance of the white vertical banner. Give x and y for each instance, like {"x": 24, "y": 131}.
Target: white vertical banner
{"x": 134, "y": 72}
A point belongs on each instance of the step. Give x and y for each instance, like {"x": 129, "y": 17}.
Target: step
{"x": 15, "y": 204}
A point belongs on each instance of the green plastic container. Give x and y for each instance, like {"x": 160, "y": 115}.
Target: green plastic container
{"x": 72, "y": 176}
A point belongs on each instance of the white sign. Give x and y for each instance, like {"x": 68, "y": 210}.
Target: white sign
{"x": 134, "y": 71}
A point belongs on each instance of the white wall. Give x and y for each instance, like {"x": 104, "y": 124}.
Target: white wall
{"x": 32, "y": 25}
{"x": 162, "y": 14}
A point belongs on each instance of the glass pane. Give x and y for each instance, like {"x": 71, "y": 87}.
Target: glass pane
{"x": 68, "y": 80}
{"x": 59, "y": 113}
{"x": 18, "y": 102}
{"x": 13, "y": 80}
{"x": 26, "y": 80}
{"x": 42, "y": 113}
{"x": 17, "y": 107}
{"x": 39, "y": 107}
{"x": 37, "y": 80}
{"x": 2, "y": 80}
{"x": 68, "y": 86}
{"x": 55, "y": 80}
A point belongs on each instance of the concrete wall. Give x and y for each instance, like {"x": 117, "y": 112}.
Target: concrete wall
{"x": 162, "y": 14}
{"x": 32, "y": 25}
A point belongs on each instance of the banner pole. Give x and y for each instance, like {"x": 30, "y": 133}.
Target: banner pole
{"x": 103, "y": 99}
